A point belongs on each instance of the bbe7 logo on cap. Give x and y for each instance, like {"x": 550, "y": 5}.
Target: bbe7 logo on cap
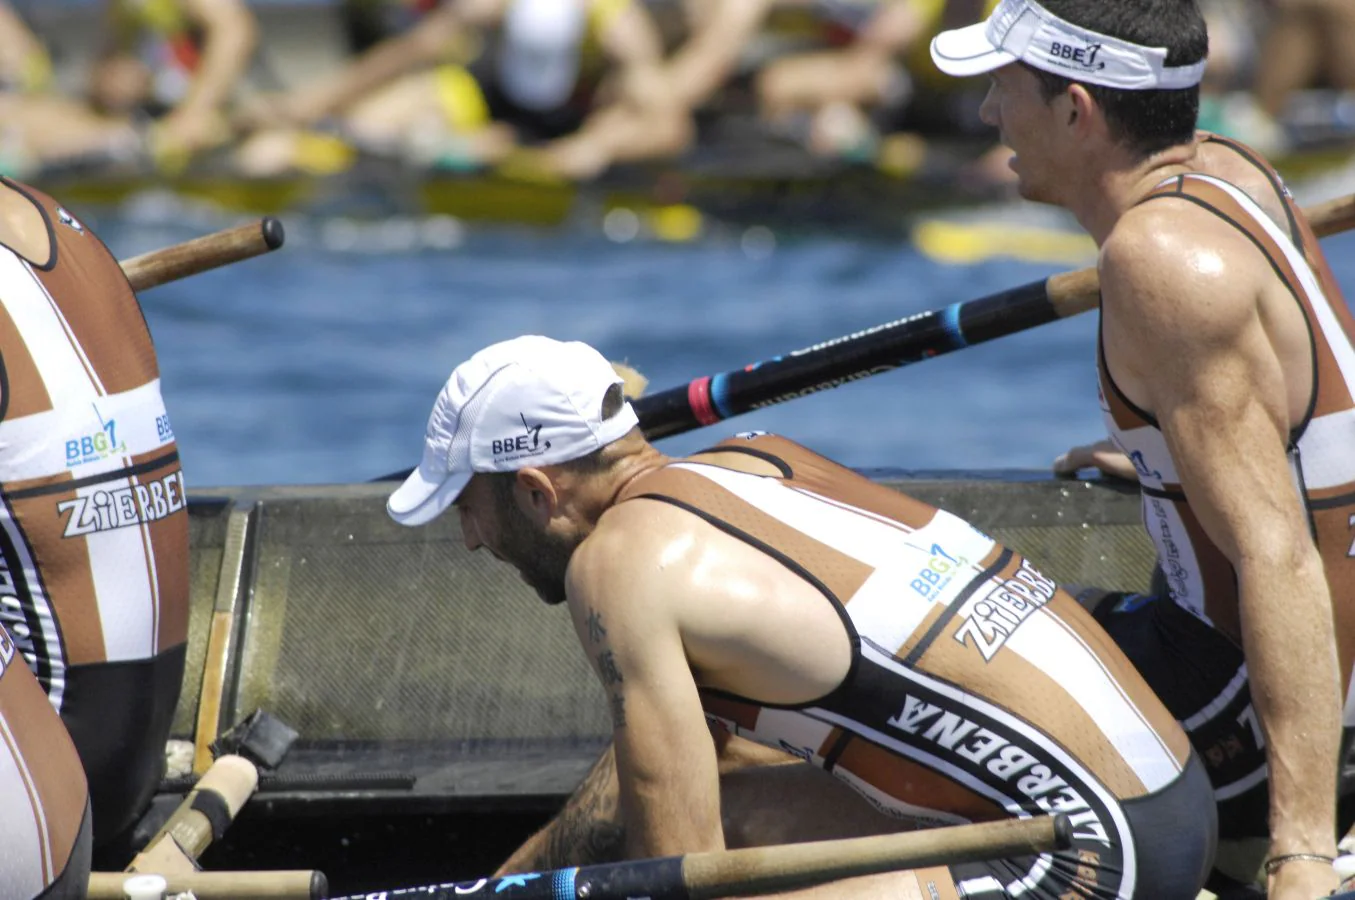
{"x": 531, "y": 401}
{"x": 527, "y": 444}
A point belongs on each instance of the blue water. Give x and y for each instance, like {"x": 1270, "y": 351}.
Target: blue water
{"x": 319, "y": 365}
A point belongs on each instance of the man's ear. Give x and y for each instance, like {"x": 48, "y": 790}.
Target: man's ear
{"x": 535, "y": 495}
{"x": 1083, "y": 111}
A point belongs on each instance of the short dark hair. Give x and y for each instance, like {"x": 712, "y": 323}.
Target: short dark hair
{"x": 1145, "y": 122}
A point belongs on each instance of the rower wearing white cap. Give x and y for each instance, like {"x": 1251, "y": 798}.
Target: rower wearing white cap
{"x": 917, "y": 672}
{"x": 1227, "y": 371}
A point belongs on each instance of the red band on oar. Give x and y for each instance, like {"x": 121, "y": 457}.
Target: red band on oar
{"x": 698, "y": 396}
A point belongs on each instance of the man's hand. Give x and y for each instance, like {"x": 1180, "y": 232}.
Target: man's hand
{"x": 1103, "y": 455}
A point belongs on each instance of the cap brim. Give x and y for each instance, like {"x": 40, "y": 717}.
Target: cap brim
{"x": 425, "y": 495}
{"x": 967, "y": 51}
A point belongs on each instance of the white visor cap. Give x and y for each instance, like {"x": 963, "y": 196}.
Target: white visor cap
{"x": 539, "y": 57}
{"x": 1023, "y": 30}
{"x": 531, "y": 401}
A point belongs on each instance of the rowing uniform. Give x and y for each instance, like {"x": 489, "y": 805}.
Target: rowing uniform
{"x": 1207, "y": 688}
{"x": 977, "y": 690}
{"x": 45, "y": 821}
{"x": 93, "y": 524}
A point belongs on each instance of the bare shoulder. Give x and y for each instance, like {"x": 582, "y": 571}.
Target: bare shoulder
{"x": 631, "y": 543}
{"x": 1172, "y": 268}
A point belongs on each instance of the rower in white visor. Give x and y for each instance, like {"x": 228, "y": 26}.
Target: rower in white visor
{"x": 1225, "y": 362}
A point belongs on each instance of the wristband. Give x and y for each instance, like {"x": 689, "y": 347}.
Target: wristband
{"x": 1276, "y": 861}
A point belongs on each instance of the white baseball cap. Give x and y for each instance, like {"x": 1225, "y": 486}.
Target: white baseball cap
{"x": 531, "y": 401}
{"x": 1026, "y": 31}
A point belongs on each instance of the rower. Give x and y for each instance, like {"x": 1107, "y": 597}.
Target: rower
{"x": 1226, "y": 364}
{"x": 94, "y": 524}
{"x": 795, "y": 604}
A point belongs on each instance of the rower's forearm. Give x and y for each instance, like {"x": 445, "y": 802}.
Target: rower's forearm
{"x": 383, "y": 64}
{"x": 586, "y": 831}
{"x": 225, "y": 56}
{"x": 1290, "y": 648}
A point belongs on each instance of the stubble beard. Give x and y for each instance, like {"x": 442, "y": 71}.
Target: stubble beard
{"x": 541, "y": 558}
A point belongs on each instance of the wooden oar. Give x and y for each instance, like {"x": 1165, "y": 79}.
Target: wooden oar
{"x": 303, "y": 884}
{"x": 202, "y": 254}
{"x": 764, "y": 870}
{"x": 711, "y": 398}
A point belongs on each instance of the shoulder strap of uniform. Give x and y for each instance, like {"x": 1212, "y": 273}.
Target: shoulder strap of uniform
{"x": 1242, "y": 150}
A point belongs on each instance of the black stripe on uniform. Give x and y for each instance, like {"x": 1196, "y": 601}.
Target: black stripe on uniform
{"x": 59, "y": 487}
{"x": 954, "y": 607}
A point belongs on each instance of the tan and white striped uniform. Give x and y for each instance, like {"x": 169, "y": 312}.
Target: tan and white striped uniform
{"x": 93, "y": 529}
{"x": 1321, "y": 447}
{"x": 1201, "y": 580}
{"x": 978, "y": 689}
{"x": 44, "y": 828}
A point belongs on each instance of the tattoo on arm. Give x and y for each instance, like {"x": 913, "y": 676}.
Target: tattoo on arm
{"x": 608, "y": 670}
{"x": 588, "y": 831}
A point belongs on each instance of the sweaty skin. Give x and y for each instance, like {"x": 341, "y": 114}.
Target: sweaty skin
{"x": 706, "y": 616}
{"x": 1199, "y": 332}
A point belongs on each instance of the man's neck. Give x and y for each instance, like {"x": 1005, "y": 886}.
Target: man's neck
{"x": 1122, "y": 183}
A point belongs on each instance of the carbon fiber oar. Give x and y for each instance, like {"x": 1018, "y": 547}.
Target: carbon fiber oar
{"x": 761, "y": 870}
{"x": 712, "y": 398}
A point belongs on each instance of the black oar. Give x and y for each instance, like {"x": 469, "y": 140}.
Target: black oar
{"x": 711, "y": 398}
{"x": 763, "y": 870}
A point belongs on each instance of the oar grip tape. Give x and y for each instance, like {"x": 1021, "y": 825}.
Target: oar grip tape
{"x": 215, "y": 809}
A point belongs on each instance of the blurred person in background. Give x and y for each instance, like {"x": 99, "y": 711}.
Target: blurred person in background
{"x": 24, "y": 64}
{"x": 165, "y": 75}
{"x": 473, "y": 81}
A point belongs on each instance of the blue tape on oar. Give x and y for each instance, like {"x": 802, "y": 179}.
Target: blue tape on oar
{"x": 950, "y": 320}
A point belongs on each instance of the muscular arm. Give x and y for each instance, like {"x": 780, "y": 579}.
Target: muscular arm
{"x": 585, "y": 832}
{"x": 665, "y": 759}
{"x": 1206, "y": 365}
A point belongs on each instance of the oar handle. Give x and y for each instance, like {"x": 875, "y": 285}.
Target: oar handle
{"x": 201, "y": 254}
{"x": 762, "y": 870}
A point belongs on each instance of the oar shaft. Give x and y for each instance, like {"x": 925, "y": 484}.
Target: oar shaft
{"x": 762, "y": 870}
{"x": 202, "y": 254}
{"x": 303, "y": 884}
{"x": 711, "y": 398}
